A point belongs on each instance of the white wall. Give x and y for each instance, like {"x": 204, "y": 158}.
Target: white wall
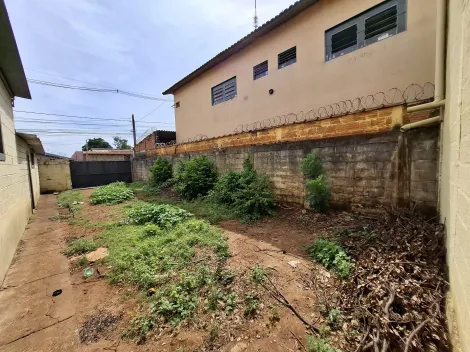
{"x": 15, "y": 199}
{"x": 455, "y": 168}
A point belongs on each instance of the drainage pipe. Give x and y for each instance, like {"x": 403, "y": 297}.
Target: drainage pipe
{"x": 422, "y": 123}
{"x": 439, "y": 69}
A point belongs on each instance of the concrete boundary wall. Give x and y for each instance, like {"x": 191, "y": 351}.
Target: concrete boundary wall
{"x": 365, "y": 171}
{"x": 54, "y": 175}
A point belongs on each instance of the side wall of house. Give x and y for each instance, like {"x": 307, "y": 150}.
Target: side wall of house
{"x": 311, "y": 83}
{"x": 54, "y": 175}
{"x": 15, "y": 196}
{"x": 455, "y": 168}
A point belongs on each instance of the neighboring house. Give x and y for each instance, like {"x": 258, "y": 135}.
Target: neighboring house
{"x": 155, "y": 138}
{"x": 19, "y": 180}
{"x": 103, "y": 155}
{"x": 50, "y": 156}
{"x": 313, "y": 54}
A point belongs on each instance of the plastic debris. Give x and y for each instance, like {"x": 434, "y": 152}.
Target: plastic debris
{"x": 88, "y": 272}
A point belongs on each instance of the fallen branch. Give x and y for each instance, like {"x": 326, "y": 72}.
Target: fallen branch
{"x": 278, "y": 296}
{"x": 298, "y": 340}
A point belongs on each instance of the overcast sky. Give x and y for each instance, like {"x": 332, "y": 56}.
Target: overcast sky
{"x": 142, "y": 46}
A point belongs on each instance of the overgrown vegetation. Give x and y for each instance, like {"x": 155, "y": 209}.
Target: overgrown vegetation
{"x": 178, "y": 257}
{"x": 318, "y": 193}
{"x": 114, "y": 193}
{"x": 69, "y": 199}
{"x": 80, "y": 246}
{"x": 330, "y": 254}
{"x": 161, "y": 171}
{"x": 195, "y": 177}
{"x": 248, "y": 193}
{"x": 164, "y": 216}
{"x": 258, "y": 274}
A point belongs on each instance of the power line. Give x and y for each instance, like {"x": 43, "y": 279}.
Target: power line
{"x": 60, "y": 122}
{"x": 79, "y": 117}
{"x": 92, "y": 89}
{"x": 151, "y": 112}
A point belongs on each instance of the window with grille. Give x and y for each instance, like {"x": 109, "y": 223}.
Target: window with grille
{"x": 380, "y": 22}
{"x": 287, "y": 57}
{"x": 260, "y": 70}
{"x": 224, "y": 91}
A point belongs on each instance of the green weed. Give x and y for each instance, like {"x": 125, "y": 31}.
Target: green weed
{"x": 114, "y": 193}
{"x": 318, "y": 193}
{"x": 80, "y": 246}
{"x": 319, "y": 345}
{"x": 68, "y": 198}
{"x": 330, "y": 254}
{"x": 165, "y": 216}
{"x": 312, "y": 166}
{"x": 251, "y": 305}
{"x": 258, "y": 274}
{"x": 334, "y": 319}
{"x": 152, "y": 230}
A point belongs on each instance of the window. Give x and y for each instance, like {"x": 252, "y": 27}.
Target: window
{"x": 373, "y": 25}
{"x": 2, "y": 150}
{"x": 287, "y": 57}
{"x": 260, "y": 70}
{"x": 224, "y": 91}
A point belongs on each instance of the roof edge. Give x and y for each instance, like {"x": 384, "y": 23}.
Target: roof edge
{"x": 272, "y": 24}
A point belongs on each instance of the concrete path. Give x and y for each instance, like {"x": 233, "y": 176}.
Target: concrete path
{"x": 31, "y": 319}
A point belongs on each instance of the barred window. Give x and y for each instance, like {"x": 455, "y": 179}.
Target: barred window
{"x": 287, "y": 57}
{"x": 260, "y": 70}
{"x": 379, "y": 22}
{"x": 224, "y": 91}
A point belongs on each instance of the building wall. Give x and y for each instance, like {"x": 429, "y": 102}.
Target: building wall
{"x": 310, "y": 83}
{"x": 54, "y": 175}
{"x": 455, "y": 168}
{"x": 15, "y": 199}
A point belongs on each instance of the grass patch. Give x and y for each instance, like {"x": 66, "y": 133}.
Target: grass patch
{"x": 80, "y": 246}
{"x": 68, "y": 198}
{"x": 330, "y": 254}
{"x": 319, "y": 345}
{"x": 114, "y": 193}
{"x": 181, "y": 264}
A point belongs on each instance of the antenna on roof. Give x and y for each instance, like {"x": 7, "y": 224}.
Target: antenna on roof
{"x": 255, "y": 19}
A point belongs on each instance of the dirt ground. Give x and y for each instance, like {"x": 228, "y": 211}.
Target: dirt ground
{"x": 277, "y": 244}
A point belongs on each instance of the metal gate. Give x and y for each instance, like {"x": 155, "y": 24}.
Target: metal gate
{"x": 97, "y": 173}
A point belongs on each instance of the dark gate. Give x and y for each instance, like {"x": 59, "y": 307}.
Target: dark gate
{"x": 97, "y": 173}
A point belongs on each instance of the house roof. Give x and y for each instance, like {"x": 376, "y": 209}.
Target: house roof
{"x": 32, "y": 141}
{"x": 272, "y": 24}
{"x": 10, "y": 62}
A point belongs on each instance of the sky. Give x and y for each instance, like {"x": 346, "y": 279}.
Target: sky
{"x": 142, "y": 46}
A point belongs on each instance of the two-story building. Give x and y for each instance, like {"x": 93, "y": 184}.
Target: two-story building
{"x": 333, "y": 55}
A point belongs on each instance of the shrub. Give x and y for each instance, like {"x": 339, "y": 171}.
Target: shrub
{"x": 164, "y": 216}
{"x": 319, "y": 345}
{"x": 152, "y": 230}
{"x": 330, "y": 254}
{"x": 80, "y": 246}
{"x": 312, "y": 166}
{"x": 318, "y": 193}
{"x": 161, "y": 171}
{"x": 195, "y": 177}
{"x": 249, "y": 193}
{"x": 114, "y": 193}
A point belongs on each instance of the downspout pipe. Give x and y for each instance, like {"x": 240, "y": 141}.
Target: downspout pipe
{"x": 439, "y": 69}
{"x": 422, "y": 123}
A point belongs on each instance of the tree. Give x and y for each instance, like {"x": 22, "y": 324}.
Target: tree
{"x": 121, "y": 143}
{"x": 96, "y": 143}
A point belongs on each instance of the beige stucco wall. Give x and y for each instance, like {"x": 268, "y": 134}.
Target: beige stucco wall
{"x": 310, "y": 82}
{"x": 455, "y": 168}
{"x": 15, "y": 200}
{"x": 54, "y": 175}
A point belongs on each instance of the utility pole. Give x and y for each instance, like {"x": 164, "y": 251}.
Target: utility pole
{"x": 133, "y": 130}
